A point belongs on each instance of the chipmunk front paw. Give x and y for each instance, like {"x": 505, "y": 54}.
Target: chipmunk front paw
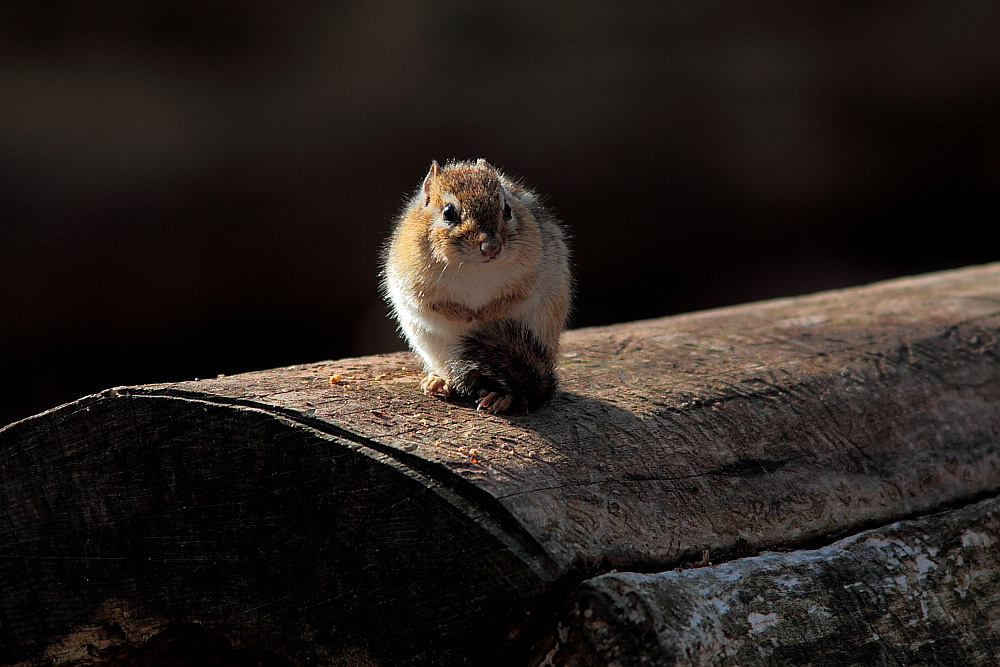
{"x": 435, "y": 385}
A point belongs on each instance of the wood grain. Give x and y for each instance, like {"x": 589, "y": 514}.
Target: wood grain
{"x": 775, "y": 422}
{"x": 303, "y": 514}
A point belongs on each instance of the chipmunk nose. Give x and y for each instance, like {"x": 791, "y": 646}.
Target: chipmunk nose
{"x": 490, "y": 248}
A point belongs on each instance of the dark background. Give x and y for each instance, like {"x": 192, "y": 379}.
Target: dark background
{"x": 194, "y": 188}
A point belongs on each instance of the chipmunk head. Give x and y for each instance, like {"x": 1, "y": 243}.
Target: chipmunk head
{"x": 471, "y": 215}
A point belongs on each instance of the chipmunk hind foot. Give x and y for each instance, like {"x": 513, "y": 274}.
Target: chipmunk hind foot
{"x": 503, "y": 367}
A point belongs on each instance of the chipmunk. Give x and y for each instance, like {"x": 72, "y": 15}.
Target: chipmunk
{"x": 477, "y": 272}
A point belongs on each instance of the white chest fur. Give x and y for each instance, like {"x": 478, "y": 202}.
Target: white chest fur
{"x": 432, "y": 336}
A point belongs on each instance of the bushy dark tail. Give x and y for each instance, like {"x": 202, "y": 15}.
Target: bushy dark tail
{"x": 506, "y": 357}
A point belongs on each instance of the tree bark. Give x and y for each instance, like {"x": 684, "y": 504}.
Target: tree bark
{"x": 920, "y": 592}
{"x": 315, "y": 517}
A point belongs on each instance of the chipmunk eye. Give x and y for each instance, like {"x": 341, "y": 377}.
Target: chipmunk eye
{"x": 506, "y": 211}
{"x": 450, "y": 213}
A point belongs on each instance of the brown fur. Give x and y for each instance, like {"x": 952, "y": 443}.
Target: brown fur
{"x": 438, "y": 267}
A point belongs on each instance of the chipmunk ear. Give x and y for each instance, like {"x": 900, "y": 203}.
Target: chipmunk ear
{"x": 429, "y": 179}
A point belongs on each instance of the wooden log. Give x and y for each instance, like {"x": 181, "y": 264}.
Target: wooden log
{"x": 920, "y": 592}
{"x": 313, "y": 518}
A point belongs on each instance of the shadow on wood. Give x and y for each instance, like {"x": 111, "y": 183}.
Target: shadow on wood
{"x": 321, "y": 519}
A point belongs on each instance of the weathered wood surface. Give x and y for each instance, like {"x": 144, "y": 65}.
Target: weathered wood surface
{"x": 920, "y": 592}
{"x": 285, "y": 509}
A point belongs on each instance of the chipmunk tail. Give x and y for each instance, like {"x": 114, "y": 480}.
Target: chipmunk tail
{"x": 506, "y": 361}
